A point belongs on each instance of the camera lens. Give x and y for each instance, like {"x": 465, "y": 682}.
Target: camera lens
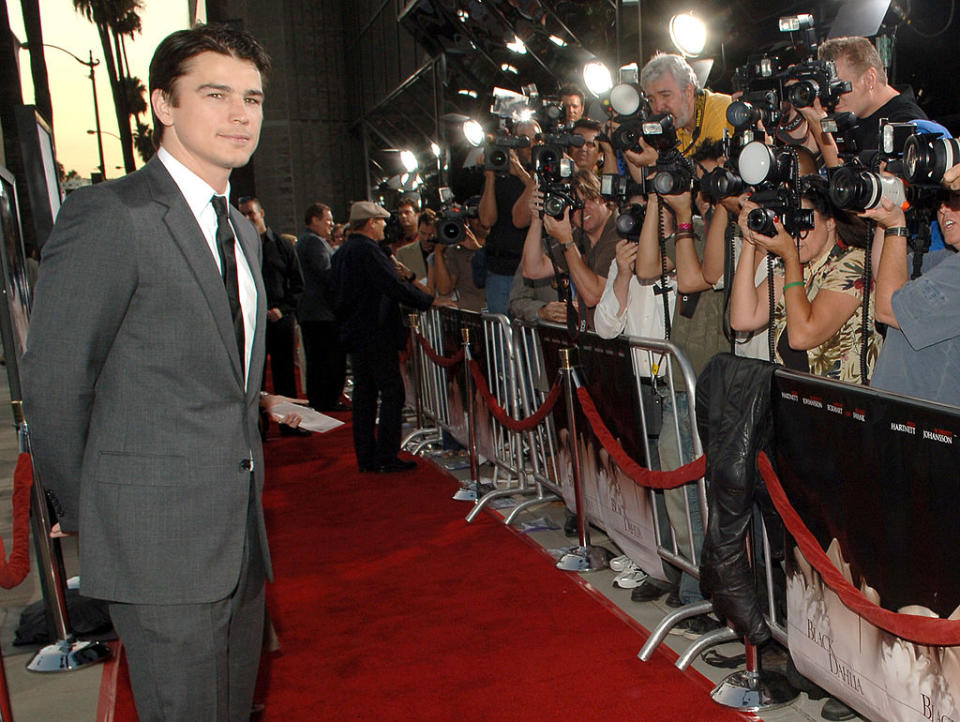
{"x": 630, "y": 221}
{"x": 803, "y": 93}
{"x": 450, "y": 232}
{"x": 721, "y": 183}
{"x": 851, "y": 189}
{"x": 670, "y": 182}
{"x": 553, "y": 206}
{"x": 760, "y": 220}
{"x": 741, "y": 114}
{"x": 926, "y": 159}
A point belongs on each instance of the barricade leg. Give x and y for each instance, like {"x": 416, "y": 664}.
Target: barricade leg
{"x": 66, "y": 653}
{"x": 420, "y": 430}
{"x": 754, "y": 689}
{"x": 582, "y": 558}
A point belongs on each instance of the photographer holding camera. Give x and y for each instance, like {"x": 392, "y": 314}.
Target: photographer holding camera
{"x": 816, "y": 325}
{"x": 451, "y": 273}
{"x": 672, "y": 87}
{"x": 921, "y": 353}
{"x": 582, "y": 241}
{"x": 505, "y": 210}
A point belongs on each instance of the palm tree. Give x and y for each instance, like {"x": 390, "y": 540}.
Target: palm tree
{"x": 115, "y": 19}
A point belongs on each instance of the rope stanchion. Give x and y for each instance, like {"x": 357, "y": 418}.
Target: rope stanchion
{"x": 14, "y": 570}
{"x": 445, "y": 361}
{"x": 922, "y": 630}
{"x": 640, "y": 474}
{"x": 500, "y": 414}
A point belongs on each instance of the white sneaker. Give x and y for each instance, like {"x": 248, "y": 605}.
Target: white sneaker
{"x": 630, "y": 578}
{"x": 621, "y": 563}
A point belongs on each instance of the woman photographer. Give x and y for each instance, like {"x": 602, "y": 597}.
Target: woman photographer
{"x": 818, "y": 290}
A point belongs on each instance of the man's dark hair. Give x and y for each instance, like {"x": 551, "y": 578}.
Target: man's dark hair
{"x": 589, "y": 124}
{"x": 709, "y": 149}
{"x": 408, "y": 201}
{"x": 169, "y": 60}
{"x": 315, "y": 210}
{"x": 571, "y": 89}
{"x": 427, "y": 216}
{"x": 250, "y": 199}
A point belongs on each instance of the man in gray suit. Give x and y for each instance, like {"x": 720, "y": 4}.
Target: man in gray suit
{"x": 145, "y": 434}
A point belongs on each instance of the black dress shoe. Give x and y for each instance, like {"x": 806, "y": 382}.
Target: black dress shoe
{"x": 834, "y": 709}
{"x": 673, "y": 599}
{"x": 397, "y": 465}
{"x": 338, "y": 407}
{"x": 647, "y": 592}
{"x": 291, "y": 431}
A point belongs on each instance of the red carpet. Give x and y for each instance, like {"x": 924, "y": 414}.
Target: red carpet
{"x": 389, "y": 606}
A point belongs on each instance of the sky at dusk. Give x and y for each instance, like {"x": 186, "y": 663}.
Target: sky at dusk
{"x": 70, "y": 86}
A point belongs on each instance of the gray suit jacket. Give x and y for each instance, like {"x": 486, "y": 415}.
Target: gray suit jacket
{"x": 142, "y": 428}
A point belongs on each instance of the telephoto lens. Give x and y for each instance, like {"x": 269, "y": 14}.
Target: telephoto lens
{"x": 926, "y": 158}
{"x": 741, "y": 114}
{"x": 857, "y": 189}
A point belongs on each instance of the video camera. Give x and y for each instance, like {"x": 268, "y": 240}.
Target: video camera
{"x": 496, "y": 155}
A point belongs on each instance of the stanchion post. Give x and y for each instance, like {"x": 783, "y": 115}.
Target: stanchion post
{"x": 415, "y": 352}
{"x": 66, "y": 653}
{"x": 583, "y": 558}
{"x": 471, "y": 412}
{"x": 753, "y": 689}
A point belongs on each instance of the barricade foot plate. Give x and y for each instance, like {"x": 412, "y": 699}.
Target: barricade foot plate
{"x": 67, "y": 655}
{"x": 583, "y": 559}
{"x": 754, "y": 691}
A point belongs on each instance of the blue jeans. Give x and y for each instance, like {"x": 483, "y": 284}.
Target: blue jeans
{"x": 675, "y": 453}
{"x": 498, "y": 293}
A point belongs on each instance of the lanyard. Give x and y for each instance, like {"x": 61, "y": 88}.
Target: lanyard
{"x": 700, "y": 111}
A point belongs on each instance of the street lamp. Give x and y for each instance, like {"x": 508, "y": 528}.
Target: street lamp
{"x": 91, "y": 63}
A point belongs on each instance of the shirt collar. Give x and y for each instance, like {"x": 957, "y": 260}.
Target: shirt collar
{"x": 195, "y": 190}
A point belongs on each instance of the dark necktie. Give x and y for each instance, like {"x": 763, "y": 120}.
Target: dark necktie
{"x": 226, "y": 244}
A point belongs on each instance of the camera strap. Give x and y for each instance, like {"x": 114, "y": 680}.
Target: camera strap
{"x": 700, "y": 109}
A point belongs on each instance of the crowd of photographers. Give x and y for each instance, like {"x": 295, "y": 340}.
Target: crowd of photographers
{"x": 811, "y": 218}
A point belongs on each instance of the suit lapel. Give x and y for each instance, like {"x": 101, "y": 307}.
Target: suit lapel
{"x": 252, "y": 250}
{"x": 186, "y": 233}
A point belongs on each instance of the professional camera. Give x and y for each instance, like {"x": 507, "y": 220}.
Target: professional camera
{"x": 630, "y": 222}
{"x": 452, "y": 219}
{"x": 721, "y": 183}
{"x": 753, "y": 108}
{"x": 620, "y": 189}
{"x": 760, "y": 72}
{"x": 858, "y": 189}
{"x": 629, "y": 108}
{"x": 842, "y": 126}
{"x": 554, "y": 173}
{"x": 779, "y": 203}
{"x": 927, "y": 156}
{"x": 392, "y": 231}
{"x": 496, "y": 156}
{"x": 816, "y": 79}
{"x": 674, "y": 172}
{"x": 760, "y": 164}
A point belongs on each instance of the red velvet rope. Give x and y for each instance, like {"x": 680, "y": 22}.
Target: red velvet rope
{"x": 14, "y": 570}
{"x": 437, "y": 358}
{"x": 502, "y": 416}
{"x": 640, "y": 474}
{"x": 931, "y": 631}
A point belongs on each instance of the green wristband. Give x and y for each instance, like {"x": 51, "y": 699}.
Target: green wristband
{"x": 791, "y": 285}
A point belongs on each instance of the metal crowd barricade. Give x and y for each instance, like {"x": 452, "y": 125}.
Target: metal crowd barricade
{"x": 503, "y": 447}
{"x": 430, "y": 389}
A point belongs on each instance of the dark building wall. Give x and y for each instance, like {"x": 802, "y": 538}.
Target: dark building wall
{"x": 332, "y": 61}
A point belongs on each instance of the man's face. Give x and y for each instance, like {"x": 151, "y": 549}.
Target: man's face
{"x": 212, "y": 119}
{"x": 374, "y": 228}
{"x": 322, "y": 226}
{"x": 857, "y": 101}
{"x": 427, "y": 236}
{"x": 586, "y": 156}
{"x": 252, "y": 211}
{"x": 592, "y": 217}
{"x": 573, "y": 107}
{"x": 408, "y": 219}
{"x": 530, "y": 129}
{"x": 667, "y": 97}
{"x": 948, "y": 216}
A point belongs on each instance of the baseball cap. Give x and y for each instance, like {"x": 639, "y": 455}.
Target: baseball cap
{"x": 362, "y": 210}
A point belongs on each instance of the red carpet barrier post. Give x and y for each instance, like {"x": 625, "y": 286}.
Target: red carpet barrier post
{"x": 471, "y": 421}
{"x": 583, "y": 558}
{"x": 417, "y": 382}
{"x": 67, "y": 653}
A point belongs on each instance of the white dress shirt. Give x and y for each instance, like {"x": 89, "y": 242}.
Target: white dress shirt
{"x": 198, "y": 194}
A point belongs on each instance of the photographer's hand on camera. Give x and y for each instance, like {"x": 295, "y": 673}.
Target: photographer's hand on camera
{"x": 951, "y": 178}
{"x": 639, "y": 163}
{"x": 554, "y": 311}
{"x": 813, "y": 114}
{"x": 626, "y": 265}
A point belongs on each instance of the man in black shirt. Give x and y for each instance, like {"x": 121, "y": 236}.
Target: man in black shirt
{"x": 284, "y": 284}
{"x": 368, "y": 292}
{"x": 872, "y": 99}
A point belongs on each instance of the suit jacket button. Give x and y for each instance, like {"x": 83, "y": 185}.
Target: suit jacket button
{"x": 246, "y": 465}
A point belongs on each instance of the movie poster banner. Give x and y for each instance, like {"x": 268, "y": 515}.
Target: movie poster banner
{"x": 612, "y": 500}
{"x": 876, "y": 480}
